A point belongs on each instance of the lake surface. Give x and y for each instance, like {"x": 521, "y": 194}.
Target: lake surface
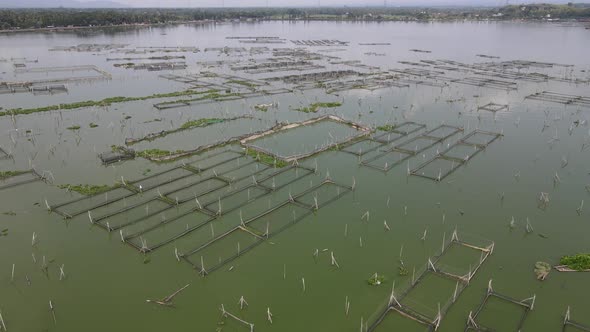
{"x": 543, "y": 148}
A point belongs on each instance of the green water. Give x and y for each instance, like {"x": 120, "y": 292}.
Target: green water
{"x": 107, "y": 282}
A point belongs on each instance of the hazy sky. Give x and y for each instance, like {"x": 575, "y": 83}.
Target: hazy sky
{"x": 311, "y": 3}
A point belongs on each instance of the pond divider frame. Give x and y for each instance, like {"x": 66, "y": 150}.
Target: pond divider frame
{"x": 363, "y": 131}
{"x": 262, "y": 237}
{"x": 527, "y": 304}
{"x": 394, "y": 303}
{"x": 456, "y": 162}
{"x": 411, "y": 153}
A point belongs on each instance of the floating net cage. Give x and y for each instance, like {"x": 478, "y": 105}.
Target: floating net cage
{"x": 570, "y": 325}
{"x": 315, "y": 77}
{"x": 319, "y": 42}
{"x": 386, "y": 160}
{"x": 488, "y": 83}
{"x": 456, "y": 155}
{"x": 513, "y": 312}
{"x": 561, "y": 98}
{"x": 98, "y": 74}
{"x": 111, "y": 157}
{"x": 435, "y": 287}
{"x": 493, "y": 107}
{"x": 399, "y": 131}
{"x": 215, "y": 251}
{"x": 142, "y": 190}
{"x": 196, "y": 207}
{"x": 21, "y": 178}
{"x": 362, "y": 147}
{"x": 359, "y": 131}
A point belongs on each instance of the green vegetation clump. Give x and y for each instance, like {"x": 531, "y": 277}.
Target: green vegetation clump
{"x": 211, "y": 95}
{"x": 156, "y": 153}
{"x": 86, "y": 189}
{"x": 9, "y": 213}
{"x": 267, "y": 159}
{"x": 386, "y": 127}
{"x": 104, "y": 102}
{"x": 376, "y": 279}
{"x": 579, "y": 262}
{"x": 4, "y": 232}
{"x": 92, "y": 125}
{"x": 313, "y": 108}
{"x": 76, "y": 127}
{"x": 71, "y": 18}
{"x": 127, "y": 117}
{"x": 8, "y": 174}
{"x": 200, "y": 123}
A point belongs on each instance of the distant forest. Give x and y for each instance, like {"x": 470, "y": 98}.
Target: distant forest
{"x": 62, "y": 17}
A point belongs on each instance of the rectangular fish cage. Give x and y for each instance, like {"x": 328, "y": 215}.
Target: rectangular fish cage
{"x": 561, "y": 98}
{"x": 84, "y": 204}
{"x": 111, "y": 157}
{"x": 498, "y": 312}
{"x": 20, "y": 178}
{"x": 433, "y": 290}
{"x": 321, "y": 195}
{"x": 362, "y": 147}
{"x": 456, "y": 155}
{"x": 285, "y": 145}
{"x": 570, "y": 325}
{"x": 228, "y": 237}
{"x": 217, "y": 253}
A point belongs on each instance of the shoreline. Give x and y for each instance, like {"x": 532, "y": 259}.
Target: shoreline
{"x": 583, "y": 23}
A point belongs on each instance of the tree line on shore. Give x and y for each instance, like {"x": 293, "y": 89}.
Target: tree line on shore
{"x": 11, "y": 19}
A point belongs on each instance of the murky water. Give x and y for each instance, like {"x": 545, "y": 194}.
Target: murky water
{"x": 107, "y": 282}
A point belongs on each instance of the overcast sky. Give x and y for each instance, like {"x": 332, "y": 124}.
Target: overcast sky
{"x": 311, "y": 3}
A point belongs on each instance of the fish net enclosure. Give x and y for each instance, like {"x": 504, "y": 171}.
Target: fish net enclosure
{"x": 513, "y": 312}
{"x": 384, "y": 161}
{"x": 435, "y": 287}
{"x": 570, "y": 325}
{"x": 560, "y": 98}
{"x": 111, "y": 157}
{"x": 436, "y": 169}
{"x": 289, "y": 142}
{"x": 460, "y": 152}
{"x": 159, "y": 229}
{"x": 480, "y": 138}
{"x": 393, "y": 156}
{"x": 362, "y": 147}
{"x": 493, "y": 107}
{"x": 213, "y": 255}
{"x": 284, "y": 177}
{"x": 443, "y": 132}
{"x": 456, "y": 155}
{"x": 235, "y": 200}
{"x": 118, "y": 214}
{"x": 13, "y": 179}
{"x": 228, "y": 237}
{"x": 488, "y": 83}
{"x": 321, "y": 195}
{"x": 274, "y": 221}
{"x": 84, "y": 204}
